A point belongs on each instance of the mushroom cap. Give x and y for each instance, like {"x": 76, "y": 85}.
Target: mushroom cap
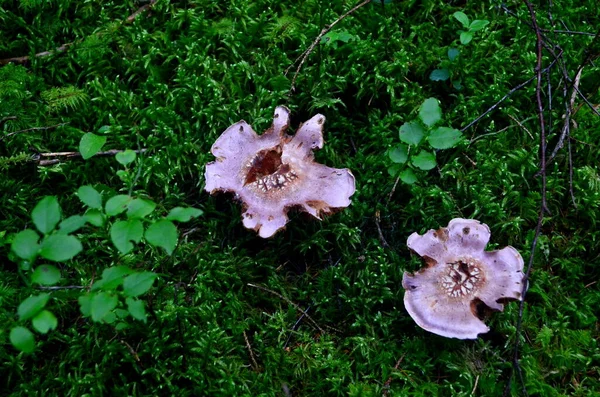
{"x": 273, "y": 172}
{"x": 460, "y": 276}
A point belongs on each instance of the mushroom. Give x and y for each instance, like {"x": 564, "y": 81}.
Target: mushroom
{"x": 461, "y": 280}
{"x": 273, "y": 172}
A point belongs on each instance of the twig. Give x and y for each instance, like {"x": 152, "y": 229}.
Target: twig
{"x": 381, "y": 238}
{"x": 30, "y": 129}
{"x": 64, "y": 47}
{"x": 57, "y": 287}
{"x": 475, "y": 387}
{"x": 71, "y": 155}
{"x": 512, "y": 91}
{"x": 294, "y": 328}
{"x": 252, "y": 357}
{"x": 521, "y": 125}
{"x": 5, "y": 119}
{"x": 309, "y": 318}
{"x": 310, "y": 49}
{"x": 386, "y": 386}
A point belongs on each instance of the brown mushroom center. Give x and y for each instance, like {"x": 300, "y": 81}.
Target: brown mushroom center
{"x": 267, "y": 172}
{"x": 463, "y": 278}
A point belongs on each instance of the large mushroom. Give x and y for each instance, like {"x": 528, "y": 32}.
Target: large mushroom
{"x": 273, "y": 172}
{"x": 461, "y": 280}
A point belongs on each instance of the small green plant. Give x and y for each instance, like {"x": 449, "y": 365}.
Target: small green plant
{"x": 420, "y": 138}
{"x": 113, "y": 297}
{"x": 449, "y": 68}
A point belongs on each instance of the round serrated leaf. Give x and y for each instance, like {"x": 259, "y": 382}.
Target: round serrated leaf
{"x": 466, "y": 37}
{"x": 122, "y": 233}
{"x": 444, "y": 137}
{"x": 25, "y": 244}
{"x": 184, "y": 214}
{"x": 46, "y": 214}
{"x": 45, "y": 275}
{"x": 394, "y": 170}
{"x": 139, "y": 208}
{"x": 399, "y": 154}
{"x": 94, "y": 217}
{"x": 408, "y": 176}
{"x": 126, "y": 157}
{"x": 430, "y": 112}
{"x": 478, "y": 24}
{"x": 412, "y": 133}
{"x": 439, "y": 75}
{"x": 71, "y": 224}
{"x": 60, "y": 247}
{"x": 424, "y": 160}
{"x": 462, "y": 18}
{"x": 136, "y": 308}
{"x": 44, "y": 322}
{"x": 90, "y": 197}
{"x": 22, "y": 339}
{"x": 90, "y": 144}
{"x": 101, "y": 305}
{"x": 453, "y": 53}
{"x": 112, "y": 277}
{"x": 31, "y": 306}
{"x": 117, "y": 204}
{"x": 137, "y": 284}
{"x": 162, "y": 234}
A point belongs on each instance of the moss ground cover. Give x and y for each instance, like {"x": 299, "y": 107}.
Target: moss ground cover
{"x": 228, "y": 313}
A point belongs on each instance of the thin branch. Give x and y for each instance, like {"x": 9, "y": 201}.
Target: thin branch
{"x": 58, "y": 288}
{"x": 45, "y": 159}
{"x": 310, "y": 49}
{"x": 252, "y": 357}
{"x": 64, "y": 47}
{"x": 505, "y": 97}
{"x": 31, "y": 129}
{"x": 309, "y": 318}
{"x": 5, "y": 119}
{"x": 294, "y": 328}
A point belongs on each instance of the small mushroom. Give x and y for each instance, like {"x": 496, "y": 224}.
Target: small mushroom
{"x": 273, "y": 172}
{"x": 461, "y": 280}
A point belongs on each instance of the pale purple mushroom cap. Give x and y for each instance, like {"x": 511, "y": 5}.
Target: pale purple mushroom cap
{"x": 273, "y": 172}
{"x": 442, "y": 297}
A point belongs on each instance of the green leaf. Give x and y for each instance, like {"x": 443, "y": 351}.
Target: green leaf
{"x": 44, "y": 322}
{"x": 462, "y": 18}
{"x": 22, "y": 339}
{"x": 31, "y": 306}
{"x": 71, "y": 224}
{"x": 112, "y": 277}
{"x": 444, "y": 137}
{"x": 139, "y": 208}
{"x": 399, "y": 154}
{"x": 85, "y": 304}
{"x": 94, "y": 217}
{"x": 136, "y": 309}
{"x": 25, "y": 244}
{"x": 453, "y": 53}
{"x": 184, "y": 214}
{"x": 412, "y": 133}
{"x": 162, "y": 234}
{"x": 45, "y": 275}
{"x": 117, "y": 204}
{"x": 60, "y": 247}
{"x": 408, "y": 176}
{"x": 46, "y": 214}
{"x": 90, "y": 197}
{"x": 478, "y": 24}
{"x": 101, "y": 305}
{"x": 105, "y": 129}
{"x": 424, "y": 160}
{"x": 137, "y": 284}
{"x": 90, "y": 144}
{"x": 123, "y": 232}
{"x": 466, "y": 37}
{"x": 394, "y": 170}
{"x": 126, "y": 157}
{"x": 430, "y": 112}
{"x": 439, "y": 75}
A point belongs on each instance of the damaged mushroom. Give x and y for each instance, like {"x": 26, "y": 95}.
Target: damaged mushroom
{"x": 461, "y": 281}
{"x": 274, "y": 172}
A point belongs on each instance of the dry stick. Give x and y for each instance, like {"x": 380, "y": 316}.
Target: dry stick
{"x": 309, "y": 318}
{"x": 310, "y": 49}
{"x": 508, "y": 94}
{"x": 294, "y": 328}
{"x": 254, "y": 363}
{"x": 31, "y": 129}
{"x": 543, "y": 207}
{"x": 71, "y": 155}
{"x": 64, "y": 47}
{"x": 386, "y": 386}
